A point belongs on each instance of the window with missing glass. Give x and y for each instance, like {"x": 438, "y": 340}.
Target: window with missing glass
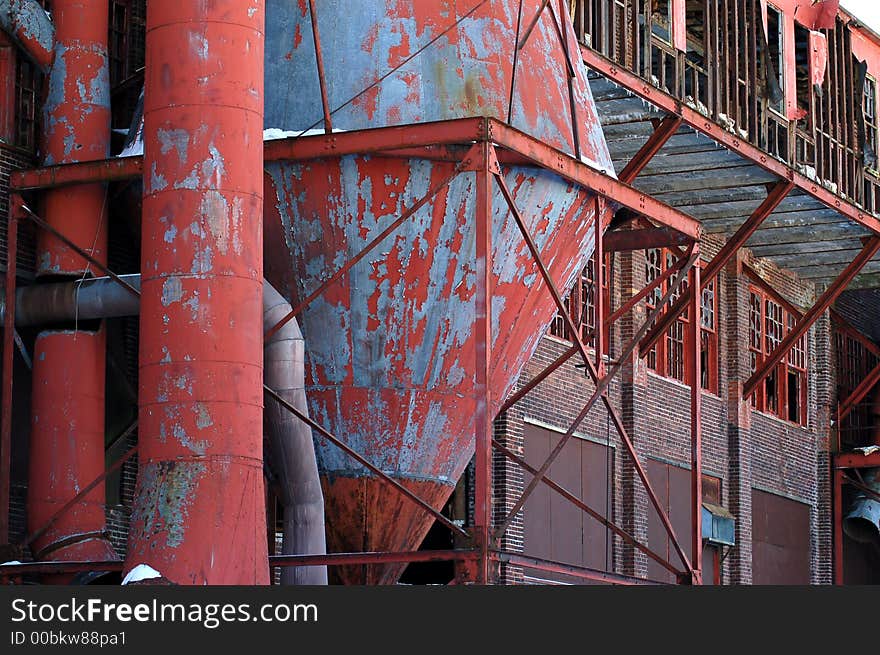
{"x": 783, "y": 392}
{"x": 869, "y": 109}
{"x": 669, "y": 356}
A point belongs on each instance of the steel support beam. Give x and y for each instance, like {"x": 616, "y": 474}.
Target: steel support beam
{"x": 599, "y": 283}
{"x": 600, "y": 382}
{"x": 597, "y": 181}
{"x": 691, "y": 117}
{"x": 380, "y": 557}
{"x": 580, "y": 504}
{"x": 652, "y": 237}
{"x": 857, "y": 460}
{"x": 580, "y": 572}
{"x": 694, "y": 377}
{"x": 858, "y": 394}
{"x": 775, "y": 196}
{"x": 837, "y": 522}
{"x": 486, "y": 168}
{"x": 319, "y": 61}
{"x": 806, "y": 321}
{"x": 538, "y": 379}
{"x": 663, "y": 131}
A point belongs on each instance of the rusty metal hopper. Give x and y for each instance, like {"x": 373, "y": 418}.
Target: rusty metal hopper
{"x": 389, "y": 348}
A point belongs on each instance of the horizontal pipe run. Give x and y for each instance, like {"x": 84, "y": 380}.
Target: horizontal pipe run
{"x": 84, "y": 300}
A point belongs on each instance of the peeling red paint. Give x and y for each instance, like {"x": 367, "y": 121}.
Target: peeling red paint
{"x": 199, "y": 512}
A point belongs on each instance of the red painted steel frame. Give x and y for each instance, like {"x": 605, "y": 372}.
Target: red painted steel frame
{"x": 486, "y": 168}
{"x": 694, "y": 378}
{"x": 664, "y": 131}
{"x": 775, "y": 196}
{"x": 806, "y": 321}
{"x": 482, "y": 159}
{"x": 691, "y": 117}
{"x": 858, "y": 394}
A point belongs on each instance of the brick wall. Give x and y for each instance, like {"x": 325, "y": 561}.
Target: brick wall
{"x": 744, "y": 448}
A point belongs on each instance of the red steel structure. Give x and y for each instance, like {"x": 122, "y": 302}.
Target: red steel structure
{"x": 199, "y": 516}
{"x": 67, "y": 424}
{"x": 483, "y": 147}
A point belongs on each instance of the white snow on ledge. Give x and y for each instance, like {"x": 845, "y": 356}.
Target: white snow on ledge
{"x": 274, "y": 133}
{"x": 133, "y": 150}
{"x": 141, "y": 572}
{"x": 136, "y": 149}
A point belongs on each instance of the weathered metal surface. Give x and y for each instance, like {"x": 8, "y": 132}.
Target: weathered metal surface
{"x": 76, "y": 128}
{"x": 29, "y": 24}
{"x": 390, "y": 348}
{"x": 199, "y": 511}
{"x": 67, "y": 445}
{"x": 67, "y": 431}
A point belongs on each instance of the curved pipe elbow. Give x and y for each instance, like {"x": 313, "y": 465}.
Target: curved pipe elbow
{"x": 291, "y": 442}
{"x": 31, "y": 28}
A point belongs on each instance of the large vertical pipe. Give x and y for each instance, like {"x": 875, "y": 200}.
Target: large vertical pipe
{"x": 199, "y": 513}
{"x": 67, "y": 433}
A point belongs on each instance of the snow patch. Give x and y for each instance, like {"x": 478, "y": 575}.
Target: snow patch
{"x": 274, "y": 133}
{"x": 132, "y": 150}
{"x": 141, "y": 572}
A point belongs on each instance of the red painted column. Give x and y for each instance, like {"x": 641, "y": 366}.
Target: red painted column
{"x": 67, "y": 412}
{"x": 694, "y": 377}
{"x": 483, "y": 421}
{"x": 199, "y": 514}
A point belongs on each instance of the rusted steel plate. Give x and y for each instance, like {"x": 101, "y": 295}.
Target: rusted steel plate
{"x": 390, "y": 348}
{"x": 199, "y": 511}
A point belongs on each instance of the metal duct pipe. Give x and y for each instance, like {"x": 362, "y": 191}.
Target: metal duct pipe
{"x": 199, "y": 510}
{"x": 290, "y": 439}
{"x": 67, "y": 407}
{"x": 66, "y": 302}
{"x": 31, "y": 28}
{"x": 862, "y": 522}
{"x": 292, "y": 446}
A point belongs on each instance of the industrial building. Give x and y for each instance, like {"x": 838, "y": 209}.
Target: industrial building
{"x": 493, "y": 292}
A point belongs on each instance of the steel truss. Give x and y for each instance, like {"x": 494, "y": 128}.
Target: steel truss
{"x": 479, "y": 146}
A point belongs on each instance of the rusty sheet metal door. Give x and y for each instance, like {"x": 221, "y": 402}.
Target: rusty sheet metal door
{"x": 554, "y": 528}
{"x": 780, "y": 540}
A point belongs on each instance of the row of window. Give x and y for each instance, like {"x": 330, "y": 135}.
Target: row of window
{"x": 783, "y": 392}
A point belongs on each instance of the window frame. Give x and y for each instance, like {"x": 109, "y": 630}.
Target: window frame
{"x": 872, "y": 125}
{"x": 779, "y": 60}
{"x": 773, "y": 310}
{"x": 584, "y": 313}
{"x": 662, "y": 359}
